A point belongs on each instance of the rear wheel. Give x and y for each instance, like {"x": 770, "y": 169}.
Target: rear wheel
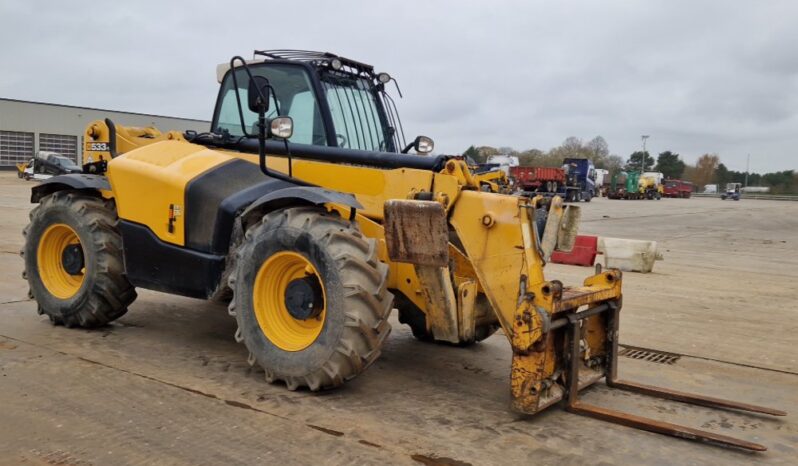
{"x": 310, "y": 298}
{"x": 73, "y": 260}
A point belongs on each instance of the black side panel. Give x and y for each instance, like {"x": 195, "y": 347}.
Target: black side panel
{"x": 213, "y": 198}
{"x": 153, "y": 264}
{"x": 74, "y": 181}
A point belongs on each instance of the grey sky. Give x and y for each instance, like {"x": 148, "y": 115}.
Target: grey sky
{"x": 697, "y": 76}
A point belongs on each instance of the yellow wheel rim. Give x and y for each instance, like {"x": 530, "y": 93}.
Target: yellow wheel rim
{"x": 269, "y": 300}
{"x": 49, "y": 258}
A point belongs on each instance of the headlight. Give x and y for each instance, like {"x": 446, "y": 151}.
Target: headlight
{"x": 336, "y": 64}
{"x": 384, "y": 78}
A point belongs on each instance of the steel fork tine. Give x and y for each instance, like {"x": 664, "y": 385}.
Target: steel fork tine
{"x": 660, "y": 427}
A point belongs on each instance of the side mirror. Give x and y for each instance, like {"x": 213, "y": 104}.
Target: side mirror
{"x": 258, "y": 94}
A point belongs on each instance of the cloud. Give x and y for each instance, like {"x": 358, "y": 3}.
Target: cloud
{"x": 698, "y": 76}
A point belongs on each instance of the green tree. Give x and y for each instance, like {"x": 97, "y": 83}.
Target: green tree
{"x": 669, "y": 164}
{"x": 782, "y": 182}
{"x": 636, "y": 160}
{"x": 722, "y": 176}
{"x": 473, "y": 153}
{"x": 613, "y": 163}
{"x": 530, "y": 158}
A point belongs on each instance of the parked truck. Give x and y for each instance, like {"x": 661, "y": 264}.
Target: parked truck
{"x": 575, "y": 181}
{"x": 580, "y": 180}
{"x": 650, "y": 185}
{"x": 677, "y": 188}
{"x": 602, "y": 182}
{"x": 502, "y": 162}
{"x": 624, "y": 185}
{"x": 539, "y": 180}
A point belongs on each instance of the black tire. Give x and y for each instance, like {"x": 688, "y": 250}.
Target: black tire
{"x": 104, "y": 293}
{"x": 413, "y": 317}
{"x": 357, "y": 301}
{"x": 589, "y": 196}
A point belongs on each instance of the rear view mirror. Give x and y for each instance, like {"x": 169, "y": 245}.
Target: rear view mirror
{"x": 258, "y": 94}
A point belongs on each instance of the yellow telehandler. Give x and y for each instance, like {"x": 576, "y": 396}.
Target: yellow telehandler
{"x": 303, "y": 208}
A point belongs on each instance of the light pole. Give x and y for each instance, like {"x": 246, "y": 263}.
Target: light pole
{"x": 643, "y": 158}
{"x": 747, "y": 165}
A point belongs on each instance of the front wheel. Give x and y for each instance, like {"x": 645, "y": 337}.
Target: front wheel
{"x": 73, "y": 260}
{"x": 310, "y": 298}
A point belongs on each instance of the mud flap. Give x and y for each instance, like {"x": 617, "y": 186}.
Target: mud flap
{"x": 417, "y": 232}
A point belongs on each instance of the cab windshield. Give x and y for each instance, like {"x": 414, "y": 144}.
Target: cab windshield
{"x": 356, "y": 112}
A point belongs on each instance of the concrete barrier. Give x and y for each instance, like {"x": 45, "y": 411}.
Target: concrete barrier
{"x": 629, "y": 255}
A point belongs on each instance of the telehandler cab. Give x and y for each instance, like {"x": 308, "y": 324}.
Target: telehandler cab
{"x": 302, "y": 207}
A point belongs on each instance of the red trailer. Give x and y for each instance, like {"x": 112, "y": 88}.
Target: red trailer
{"x": 538, "y": 179}
{"x": 677, "y": 188}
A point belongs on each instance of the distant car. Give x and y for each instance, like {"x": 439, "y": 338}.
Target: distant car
{"x": 49, "y": 164}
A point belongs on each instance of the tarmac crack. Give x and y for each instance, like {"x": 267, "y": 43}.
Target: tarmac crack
{"x": 16, "y": 301}
{"x": 194, "y": 391}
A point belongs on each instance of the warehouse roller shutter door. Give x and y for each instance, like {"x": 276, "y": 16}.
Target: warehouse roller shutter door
{"x": 63, "y": 144}
{"x": 15, "y": 147}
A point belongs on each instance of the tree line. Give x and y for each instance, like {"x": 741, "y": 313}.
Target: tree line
{"x": 708, "y": 168}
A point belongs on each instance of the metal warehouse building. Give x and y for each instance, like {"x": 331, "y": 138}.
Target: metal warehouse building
{"x": 28, "y": 127}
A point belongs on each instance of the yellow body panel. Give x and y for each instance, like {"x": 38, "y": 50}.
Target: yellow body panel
{"x": 148, "y": 180}
{"x": 371, "y": 186}
{"x": 500, "y": 246}
{"x": 97, "y": 137}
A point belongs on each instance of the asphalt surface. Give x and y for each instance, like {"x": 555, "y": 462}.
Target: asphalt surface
{"x": 167, "y": 383}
